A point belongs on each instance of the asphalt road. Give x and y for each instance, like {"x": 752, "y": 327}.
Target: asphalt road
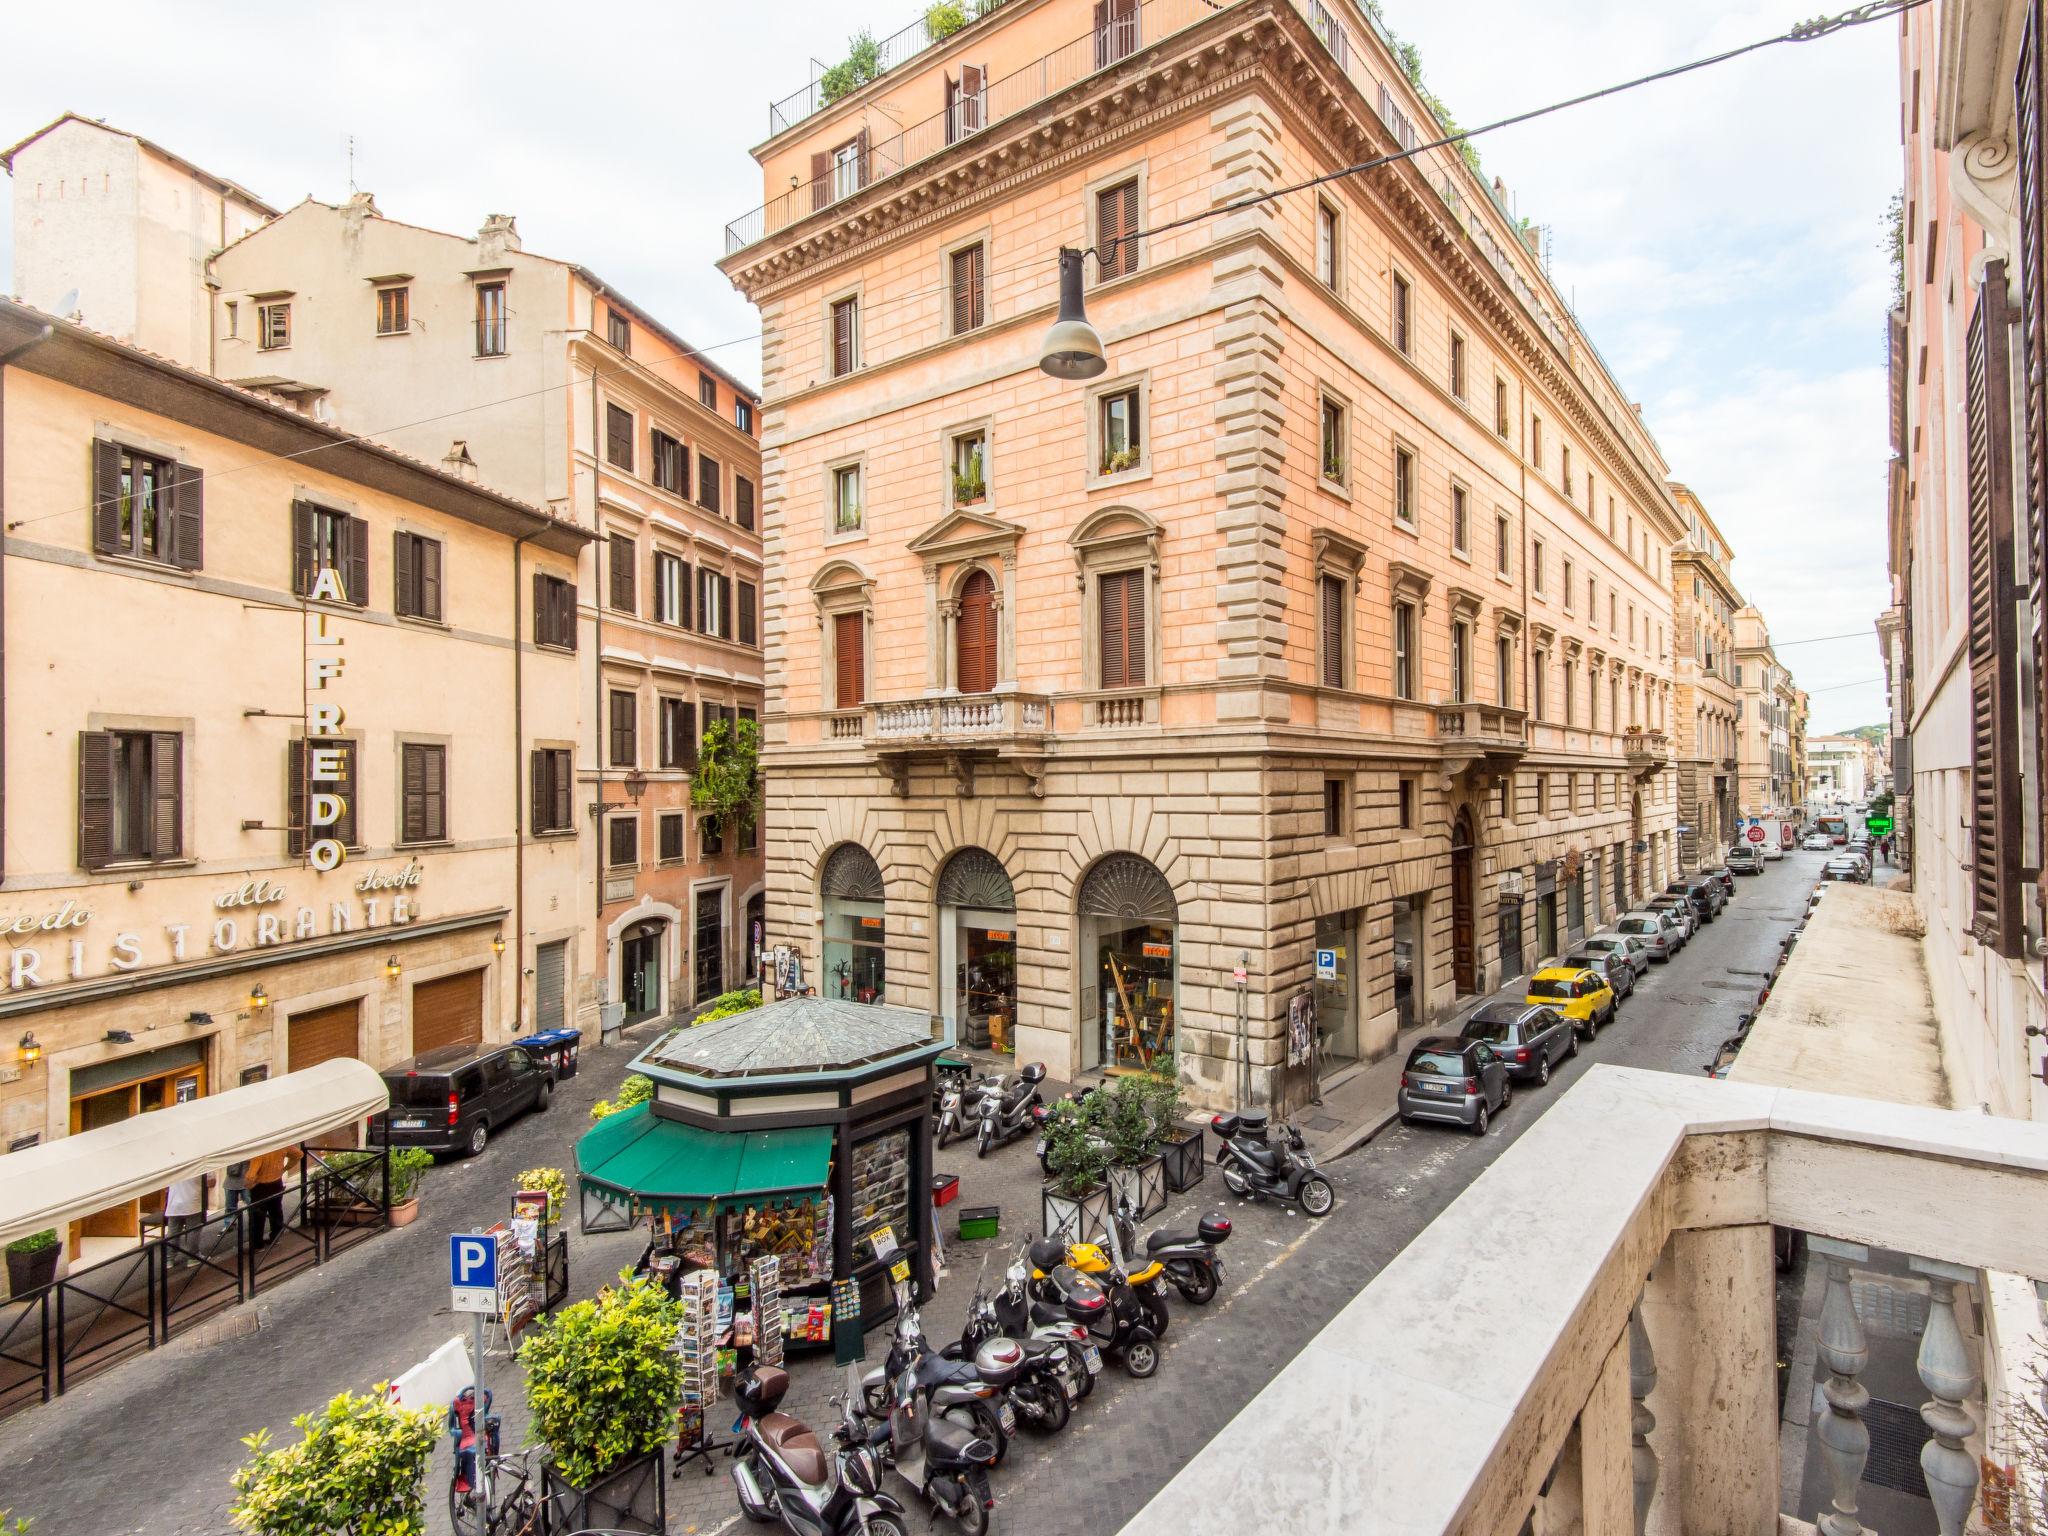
{"x": 149, "y": 1445}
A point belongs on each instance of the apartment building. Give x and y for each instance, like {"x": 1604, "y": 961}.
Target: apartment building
{"x": 1768, "y": 782}
{"x": 1703, "y": 605}
{"x": 1301, "y": 673}
{"x": 538, "y": 378}
{"x": 268, "y": 713}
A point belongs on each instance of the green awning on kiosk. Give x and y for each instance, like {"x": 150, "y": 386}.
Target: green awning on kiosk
{"x": 637, "y": 1158}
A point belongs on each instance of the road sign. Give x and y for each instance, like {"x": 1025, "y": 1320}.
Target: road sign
{"x": 1756, "y": 834}
{"x": 1326, "y": 965}
{"x": 473, "y": 1271}
{"x": 1877, "y": 826}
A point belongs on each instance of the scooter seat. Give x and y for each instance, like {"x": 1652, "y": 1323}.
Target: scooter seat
{"x": 1159, "y": 1240}
{"x": 796, "y": 1445}
{"x": 1038, "y": 1349}
{"x": 1044, "y": 1312}
{"x": 948, "y": 1441}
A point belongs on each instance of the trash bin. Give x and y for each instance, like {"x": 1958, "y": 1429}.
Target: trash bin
{"x": 540, "y": 1047}
{"x": 567, "y": 1043}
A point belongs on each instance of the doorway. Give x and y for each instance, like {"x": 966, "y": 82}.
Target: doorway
{"x": 1336, "y": 984}
{"x": 709, "y": 941}
{"x": 640, "y": 972}
{"x": 1635, "y": 846}
{"x": 757, "y": 936}
{"x": 1464, "y": 903}
{"x": 978, "y": 949}
{"x": 1510, "y": 918}
{"x": 108, "y": 1092}
{"x": 1128, "y": 919}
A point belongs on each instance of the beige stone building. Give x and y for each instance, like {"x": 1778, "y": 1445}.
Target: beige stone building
{"x": 1315, "y": 653}
{"x": 1768, "y": 781}
{"x": 241, "y": 645}
{"x": 1703, "y": 605}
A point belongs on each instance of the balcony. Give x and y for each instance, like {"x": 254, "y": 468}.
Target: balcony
{"x": 1635, "y": 1388}
{"x": 1485, "y": 739}
{"x": 959, "y": 730}
{"x": 1646, "y": 751}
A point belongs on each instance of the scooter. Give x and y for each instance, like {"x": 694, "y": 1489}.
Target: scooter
{"x": 1006, "y": 1118}
{"x": 1115, "y": 1314}
{"x": 968, "y": 1395}
{"x": 1193, "y": 1265}
{"x": 1042, "y": 1392}
{"x": 781, "y": 1472}
{"x": 959, "y": 1102}
{"x": 946, "y": 1464}
{"x": 1253, "y": 1165}
{"x": 1114, "y": 1267}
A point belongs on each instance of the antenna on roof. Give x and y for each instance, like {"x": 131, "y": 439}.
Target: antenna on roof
{"x": 351, "y": 165}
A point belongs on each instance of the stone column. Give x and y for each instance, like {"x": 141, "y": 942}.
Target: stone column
{"x": 1606, "y": 1479}
{"x": 1844, "y": 1437}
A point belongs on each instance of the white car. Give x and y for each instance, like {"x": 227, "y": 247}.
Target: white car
{"x": 1818, "y": 842}
{"x": 1773, "y": 852}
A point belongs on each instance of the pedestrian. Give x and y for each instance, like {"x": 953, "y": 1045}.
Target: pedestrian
{"x": 184, "y": 1211}
{"x": 235, "y": 1185}
{"x": 266, "y": 1197}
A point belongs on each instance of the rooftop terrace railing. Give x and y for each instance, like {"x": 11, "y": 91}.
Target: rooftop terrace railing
{"x": 890, "y": 52}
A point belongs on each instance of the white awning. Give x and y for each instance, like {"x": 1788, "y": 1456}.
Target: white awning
{"x": 59, "y": 1181}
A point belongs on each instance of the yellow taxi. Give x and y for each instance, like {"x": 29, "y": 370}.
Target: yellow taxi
{"x": 1584, "y": 997}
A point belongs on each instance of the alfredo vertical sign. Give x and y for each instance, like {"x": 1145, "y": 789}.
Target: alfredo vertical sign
{"x": 326, "y": 750}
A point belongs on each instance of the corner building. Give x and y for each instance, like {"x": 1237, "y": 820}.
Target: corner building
{"x": 1314, "y": 653}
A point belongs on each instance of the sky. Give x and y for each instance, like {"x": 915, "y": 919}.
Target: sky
{"x": 1718, "y": 235}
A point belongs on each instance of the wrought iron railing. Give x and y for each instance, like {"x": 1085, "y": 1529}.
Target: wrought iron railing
{"x": 890, "y": 52}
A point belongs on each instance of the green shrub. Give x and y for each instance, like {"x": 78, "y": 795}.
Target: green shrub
{"x": 1127, "y": 1121}
{"x": 603, "y": 1379}
{"x": 409, "y": 1166}
{"x": 636, "y": 1089}
{"x": 726, "y": 1004}
{"x": 863, "y": 62}
{"x": 944, "y": 19}
{"x": 358, "y": 1470}
{"x": 1074, "y": 1154}
{"x": 551, "y": 1180}
{"x": 35, "y": 1242}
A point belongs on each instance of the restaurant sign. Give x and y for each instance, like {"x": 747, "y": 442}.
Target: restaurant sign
{"x": 325, "y": 748}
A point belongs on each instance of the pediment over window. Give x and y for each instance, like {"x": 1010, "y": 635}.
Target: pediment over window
{"x": 964, "y": 535}
{"x": 1507, "y": 621}
{"x": 1573, "y": 648}
{"x": 1409, "y": 583}
{"x": 1338, "y": 551}
{"x": 1465, "y": 603}
{"x": 1115, "y": 531}
{"x": 841, "y": 578}
{"x": 1596, "y": 659}
{"x": 1542, "y": 634}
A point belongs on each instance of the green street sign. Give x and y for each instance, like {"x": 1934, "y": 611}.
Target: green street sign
{"x": 1877, "y": 826}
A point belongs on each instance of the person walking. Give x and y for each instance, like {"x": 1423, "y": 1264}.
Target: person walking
{"x": 184, "y": 1212}
{"x": 266, "y": 1197}
{"x": 235, "y": 1185}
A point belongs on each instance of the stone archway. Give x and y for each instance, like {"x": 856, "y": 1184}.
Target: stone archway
{"x": 1464, "y": 905}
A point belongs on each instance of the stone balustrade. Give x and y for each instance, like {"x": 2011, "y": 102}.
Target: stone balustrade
{"x": 1585, "y": 1339}
{"x": 958, "y": 718}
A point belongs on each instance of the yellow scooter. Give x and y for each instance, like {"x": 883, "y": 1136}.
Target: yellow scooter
{"x": 1107, "y": 1269}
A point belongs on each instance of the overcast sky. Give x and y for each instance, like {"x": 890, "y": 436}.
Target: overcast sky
{"x": 1717, "y": 234}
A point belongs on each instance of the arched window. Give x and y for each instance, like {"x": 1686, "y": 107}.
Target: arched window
{"x": 975, "y": 635}
{"x": 978, "y": 948}
{"x": 855, "y": 960}
{"x": 1127, "y": 914}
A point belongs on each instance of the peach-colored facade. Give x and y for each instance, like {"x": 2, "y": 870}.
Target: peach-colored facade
{"x": 1704, "y": 602}
{"x": 1336, "y": 814}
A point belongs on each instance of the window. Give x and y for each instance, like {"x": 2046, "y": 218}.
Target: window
{"x": 749, "y": 614}
{"x": 332, "y": 767}
{"x": 673, "y": 825}
{"x": 1404, "y": 485}
{"x": 1461, "y": 522}
{"x": 1536, "y": 441}
{"x": 622, "y": 842}
{"x": 554, "y": 612}
{"x": 416, "y": 576}
{"x": 1333, "y": 440}
{"x": 970, "y": 301}
{"x": 1326, "y": 245}
{"x": 145, "y": 507}
{"x": 491, "y": 337}
{"x": 618, "y": 330}
{"x": 671, "y": 589}
{"x": 1539, "y": 682}
{"x": 1335, "y": 601}
{"x": 623, "y": 559}
{"x": 1402, "y": 300}
{"x": 1503, "y": 544}
{"x": 707, "y": 391}
{"x": 849, "y": 655}
{"x": 1612, "y": 627}
{"x": 1592, "y": 600}
{"x": 1457, "y": 365}
{"x": 234, "y": 320}
{"x": 324, "y": 539}
{"x": 671, "y": 467}
{"x": 623, "y": 748}
{"x": 710, "y": 836}
{"x": 423, "y": 793}
{"x": 743, "y": 415}
{"x": 678, "y": 733}
{"x": 1404, "y": 650}
{"x": 1564, "y": 474}
{"x": 273, "y": 326}
{"x": 1536, "y": 565}
{"x": 1120, "y": 596}
{"x": 709, "y": 483}
{"x": 1116, "y": 229}
{"x": 743, "y": 502}
{"x": 1404, "y": 804}
{"x": 1121, "y": 433}
{"x": 970, "y": 468}
{"x": 714, "y": 604}
{"x": 552, "y": 782}
{"x": 394, "y": 311}
{"x": 845, "y": 337}
{"x": 1333, "y": 807}
{"x": 1567, "y": 584}
{"x": 1571, "y": 678}
{"x": 1500, "y": 407}
{"x": 618, "y": 437}
{"x": 849, "y": 167}
{"x": 1504, "y": 671}
{"x": 131, "y": 797}
{"x": 1461, "y": 661}
{"x": 846, "y": 508}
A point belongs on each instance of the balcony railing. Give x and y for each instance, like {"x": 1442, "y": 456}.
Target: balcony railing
{"x": 969, "y": 718}
{"x": 1488, "y": 727}
{"x": 897, "y": 49}
{"x": 1635, "y": 1224}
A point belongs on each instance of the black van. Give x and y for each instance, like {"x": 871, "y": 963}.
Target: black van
{"x": 451, "y": 1099}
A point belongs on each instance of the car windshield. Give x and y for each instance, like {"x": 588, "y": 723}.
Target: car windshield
{"x": 1544, "y": 988}
{"x": 1437, "y": 1064}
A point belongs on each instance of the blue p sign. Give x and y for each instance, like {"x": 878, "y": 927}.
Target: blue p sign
{"x": 473, "y": 1261}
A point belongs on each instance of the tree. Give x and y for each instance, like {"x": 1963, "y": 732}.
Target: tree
{"x": 727, "y": 780}
{"x": 358, "y": 1470}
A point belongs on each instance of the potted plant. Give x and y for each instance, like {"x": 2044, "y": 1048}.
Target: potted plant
{"x": 1125, "y": 1120}
{"x": 969, "y": 484}
{"x": 944, "y": 19}
{"x": 1183, "y": 1156}
{"x": 1075, "y": 1202}
{"x": 1117, "y": 460}
{"x": 603, "y": 1382}
{"x": 552, "y": 1182}
{"x": 409, "y": 1166}
{"x": 359, "y": 1469}
{"x": 32, "y": 1261}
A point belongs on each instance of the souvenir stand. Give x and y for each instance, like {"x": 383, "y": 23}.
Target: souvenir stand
{"x": 797, "y": 1132}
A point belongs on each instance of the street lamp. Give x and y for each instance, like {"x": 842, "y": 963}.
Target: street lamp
{"x": 497, "y": 943}
{"x": 31, "y": 1052}
{"x": 1072, "y": 348}
{"x": 258, "y": 998}
{"x": 392, "y": 968}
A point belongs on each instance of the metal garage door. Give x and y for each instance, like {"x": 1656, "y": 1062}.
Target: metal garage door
{"x": 550, "y": 972}
{"x": 448, "y": 1012}
{"x": 323, "y": 1035}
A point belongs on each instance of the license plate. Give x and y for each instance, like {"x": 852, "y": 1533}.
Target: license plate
{"x": 1041, "y": 1146}
{"x": 409, "y": 1125}
{"x": 1007, "y": 1417}
{"x": 1092, "y": 1358}
{"x": 1438, "y": 1087}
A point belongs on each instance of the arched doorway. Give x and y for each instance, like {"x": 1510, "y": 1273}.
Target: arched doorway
{"x": 856, "y": 953}
{"x": 1635, "y": 846}
{"x": 640, "y": 969}
{"x": 978, "y": 948}
{"x": 974, "y": 669}
{"x": 1128, "y": 965}
{"x": 1464, "y": 904}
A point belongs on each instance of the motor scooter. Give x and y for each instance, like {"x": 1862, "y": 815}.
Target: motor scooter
{"x": 1044, "y": 1392}
{"x": 1005, "y": 1118}
{"x": 959, "y": 1105}
{"x": 1193, "y": 1265}
{"x": 1114, "y": 1313}
{"x": 1253, "y": 1165}
{"x": 968, "y": 1394}
{"x": 947, "y": 1465}
{"x": 781, "y": 1472}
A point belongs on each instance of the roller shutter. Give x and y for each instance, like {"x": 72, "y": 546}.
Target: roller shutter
{"x": 325, "y": 1034}
{"x": 448, "y": 1012}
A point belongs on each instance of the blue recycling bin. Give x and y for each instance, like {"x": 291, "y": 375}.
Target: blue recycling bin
{"x": 567, "y": 1043}
{"x": 543, "y": 1048}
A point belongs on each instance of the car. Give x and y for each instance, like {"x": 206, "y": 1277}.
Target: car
{"x": 1529, "y": 1041}
{"x": 1660, "y": 933}
{"x": 1723, "y": 876}
{"x": 1841, "y": 869}
{"x": 1706, "y": 896}
{"x": 1772, "y": 851}
{"x": 1817, "y": 842}
{"x": 1680, "y": 908}
{"x": 1454, "y": 1082}
{"x": 452, "y": 1098}
{"x": 1581, "y": 995}
{"x": 1612, "y": 964}
{"x": 1746, "y": 860}
{"x": 1629, "y": 946}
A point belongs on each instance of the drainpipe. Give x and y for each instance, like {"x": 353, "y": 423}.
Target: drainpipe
{"x": 5, "y": 358}
{"x": 518, "y": 822}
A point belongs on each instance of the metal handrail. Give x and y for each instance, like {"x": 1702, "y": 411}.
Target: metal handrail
{"x": 900, "y": 48}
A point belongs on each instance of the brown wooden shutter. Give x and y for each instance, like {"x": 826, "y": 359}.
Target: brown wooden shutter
{"x": 436, "y": 799}
{"x": 106, "y": 496}
{"x": 358, "y": 574}
{"x": 975, "y": 634}
{"x": 743, "y": 501}
{"x": 842, "y": 337}
{"x": 412, "y": 794}
{"x": 684, "y": 618}
{"x": 564, "y": 783}
{"x": 1116, "y": 225}
{"x": 749, "y": 635}
{"x": 821, "y": 180}
{"x": 167, "y": 781}
{"x": 1121, "y": 598}
{"x": 295, "y": 795}
{"x": 860, "y": 155}
{"x": 344, "y": 830}
{"x": 430, "y": 578}
{"x": 849, "y": 633}
{"x": 540, "y": 795}
{"x": 624, "y": 557}
{"x": 1333, "y": 632}
{"x": 1993, "y": 641}
{"x": 404, "y": 579}
{"x": 302, "y": 547}
{"x": 95, "y": 799}
{"x": 2031, "y": 209}
{"x": 725, "y": 607}
{"x": 686, "y": 733}
{"x": 973, "y": 85}
{"x": 188, "y": 517}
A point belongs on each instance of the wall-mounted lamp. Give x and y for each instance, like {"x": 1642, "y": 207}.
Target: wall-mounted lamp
{"x": 258, "y": 998}
{"x": 392, "y": 968}
{"x": 30, "y": 1052}
{"x": 497, "y": 943}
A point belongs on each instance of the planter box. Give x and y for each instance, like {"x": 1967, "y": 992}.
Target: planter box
{"x": 632, "y": 1496}
{"x": 1142, "y": 1186}
{"x": 1185, "y": 1163}
{"x": 1077, "y": 1219}
{"x": 28, "y": 1272}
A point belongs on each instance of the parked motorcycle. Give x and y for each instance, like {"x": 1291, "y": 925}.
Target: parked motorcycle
{"x": 946, "y": 1464}
{"x": 1114, "y": 1266}
{"x": 1006, "y": 1118}
{"x": 1044, "y": 1393}
{"x": 1115, "y": 1314}
{"x": 969, "y": 1395}
{"x": 959, "y": 1104}
{"x": 1255, "y": 1165}
{"x": 1192, "y": 1264}
{"x": 781, "y": 1472}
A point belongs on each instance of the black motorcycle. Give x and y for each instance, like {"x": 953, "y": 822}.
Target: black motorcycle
{"x": 946, "y": 1464}
{"x": 1192, "y": 1263}
{"x": 1112, "y": 1312}
{"x": 969, "y": 1394}
{"x": 1006, "y": 1118}
{"x": 1042, "y": 1393}
{"x": 782, "y": 1473}
{"x": 1255, "y": 1165}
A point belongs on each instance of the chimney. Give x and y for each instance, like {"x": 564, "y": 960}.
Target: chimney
{"x": 499, "y": 235}
{"x": 458, "y": 463}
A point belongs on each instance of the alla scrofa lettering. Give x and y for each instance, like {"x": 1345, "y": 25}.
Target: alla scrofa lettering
{"x": 251, "y": 893}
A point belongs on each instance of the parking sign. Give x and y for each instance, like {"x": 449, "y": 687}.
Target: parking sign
{"x": 473, "y": 1271}
{"x": 1326, "y": 965}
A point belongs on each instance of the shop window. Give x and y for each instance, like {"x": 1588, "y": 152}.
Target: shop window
{"x": 856, "y": 959}
{"x": 880, "y": 1174}
{"x": 1335, "y": 993}
{"x": 978, "y": 942}
{"x": 1128, "y": 919}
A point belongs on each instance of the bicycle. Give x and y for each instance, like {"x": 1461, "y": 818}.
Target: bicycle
{"x": 507, "y": 1503}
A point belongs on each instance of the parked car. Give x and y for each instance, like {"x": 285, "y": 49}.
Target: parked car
{"x": 1706, "y": 896}
{"x": 1661, "y": 933}
{"x": 1844, "y": 869}
{"x": 1612, "y": 965}
{"x": 1581, "y": 995}
{"x": 452, "y": 1098}
{"x": 1529, "y": 1041}
{"x": 1817, "y": 842}
{"x": 1746, "y": 859}
{"x": 1681, "y": 908}
{"x": 1453, "y": 1081}
{"x": 1722, "y": 876}
{"x": 1773, "y": 850}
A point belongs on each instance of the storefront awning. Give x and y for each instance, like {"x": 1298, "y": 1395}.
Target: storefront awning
{"x": 654, "y": 1162}
{"x": 58, "y": 1181}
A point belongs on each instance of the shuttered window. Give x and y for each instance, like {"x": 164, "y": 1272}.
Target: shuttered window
{"x": 1404, "y": 650}
{"x": 416, "y": 576}
{"x": 1403, "y": 305}
{"x": 2031, "y": 218}
{"x": 743, "y": 502}
{"x": 709, "y": 484}
{"x": 131, "y": 797}
{"x": 298, "y": 771}
{"x": 1121, "y": 596}
{"x": 969, "y": 305}
{"x": 671, "y": 463}
{"x": 624, "y": 742}
{"x": 1116, "y": 229}
{"x": 976, "y": 634}
{"x": 618, "y": 436}
{"x": 749, "y": 617}
{"x": 674, "y": 827}
{"x": 623, "y": 561}
{"x": 423, "y": 793}
{"x": 678, "y": 733}
{"x": 1994, "y": 706}
{"x": 552, "y": 782}
{"x": 714, "y": 604}
{"x": 849, "y": 644}
{"x": 845, "y": 336}
{"x": 146, "y": 507}
{"x": 554, "y": 612}
{"x": 1333, "y": 591}
{"x": 324, "y": 539}
{"x": 622, "y": 842}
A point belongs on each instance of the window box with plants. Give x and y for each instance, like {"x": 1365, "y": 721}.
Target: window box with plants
{"x": 32, "y": 1261}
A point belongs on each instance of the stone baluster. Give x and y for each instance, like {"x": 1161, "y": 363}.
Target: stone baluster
{"x": 1642, "y": 1381}
{"x": 1844, "y": 1437}
{"x": 1949, "y": 1372}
